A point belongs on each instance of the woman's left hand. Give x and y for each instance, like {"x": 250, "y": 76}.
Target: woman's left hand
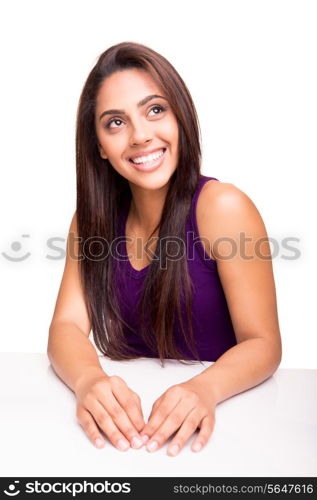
{"x": 186, "y": 407}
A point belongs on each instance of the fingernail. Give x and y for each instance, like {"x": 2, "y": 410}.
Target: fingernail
{"x": 173, "y": 450}
{"x": 99, "y": 443}
{"x": 123, "y": 444}
{"x": 152, "y": 446}
{"x": 197, "y": 447}
{"x": 145, "y": 438}
{"x": 136, "y": 442}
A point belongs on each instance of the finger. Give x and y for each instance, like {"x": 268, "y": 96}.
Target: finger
{"x": 171, "y": 424}
{"x": 106, "y": 424}
{"x": 188, "y": 427}
{"x": 88, "y": 424}
{"x": 121, "y": 419}
{"x": 129, "y": 401}
{"x": 159, "y": 414}
{"x": 154, "y": 407}
{"x": 206, "y": 428}
{"x": 139, "y": 407}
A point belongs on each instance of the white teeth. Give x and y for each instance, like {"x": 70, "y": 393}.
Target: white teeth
{"x": 151, "y": 157}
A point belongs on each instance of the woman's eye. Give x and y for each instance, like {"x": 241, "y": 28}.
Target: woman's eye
{"x": 115, "y": 120}
{"x": 161, "y": 108}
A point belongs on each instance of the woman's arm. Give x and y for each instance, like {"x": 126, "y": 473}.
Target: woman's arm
{"x": 71, "y": 354}
{"x": 242, "y": 367}
{"x": 237, "y": 239}
{"x": 103, "y": 402}
{"x": 69, "y": 349}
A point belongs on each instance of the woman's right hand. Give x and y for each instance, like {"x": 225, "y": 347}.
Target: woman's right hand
{"x": 110, "y": 403}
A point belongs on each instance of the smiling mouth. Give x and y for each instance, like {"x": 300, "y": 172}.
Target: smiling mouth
{"x": 149, "y": 162}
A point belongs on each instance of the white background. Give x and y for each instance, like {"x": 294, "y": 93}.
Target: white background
{"x": 251, "y": 69}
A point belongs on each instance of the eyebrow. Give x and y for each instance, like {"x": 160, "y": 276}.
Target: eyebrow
{"x": 139, "y": 104}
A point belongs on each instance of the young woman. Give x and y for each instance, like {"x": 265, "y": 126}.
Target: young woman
{"x": 162, "y": 261}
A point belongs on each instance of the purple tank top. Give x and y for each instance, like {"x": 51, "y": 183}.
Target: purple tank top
{"x": 212, "y": 327}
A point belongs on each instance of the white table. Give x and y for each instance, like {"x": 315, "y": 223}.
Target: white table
{"x": 269, "y": 430}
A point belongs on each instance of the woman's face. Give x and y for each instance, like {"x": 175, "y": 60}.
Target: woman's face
{"x": 136, "y": 130}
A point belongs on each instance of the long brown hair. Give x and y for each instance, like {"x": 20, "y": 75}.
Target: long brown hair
{"x": 101, "y": 193}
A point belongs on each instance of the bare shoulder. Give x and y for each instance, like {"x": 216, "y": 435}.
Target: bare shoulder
{"x": 222, "y": 211}
{"x": 215, "y": 194}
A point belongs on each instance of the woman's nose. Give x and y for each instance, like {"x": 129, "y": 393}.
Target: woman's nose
{"x": 141, "y": 133}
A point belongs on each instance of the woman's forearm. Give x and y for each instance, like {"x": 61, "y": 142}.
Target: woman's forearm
{"x": 245, "y": 365}
{"x": 71, "y": 354}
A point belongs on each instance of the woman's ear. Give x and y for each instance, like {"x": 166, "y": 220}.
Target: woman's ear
{"x": 101, "y": 152}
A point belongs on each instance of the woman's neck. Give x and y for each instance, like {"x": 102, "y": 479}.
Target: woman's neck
{"x": 146, "y": 209}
